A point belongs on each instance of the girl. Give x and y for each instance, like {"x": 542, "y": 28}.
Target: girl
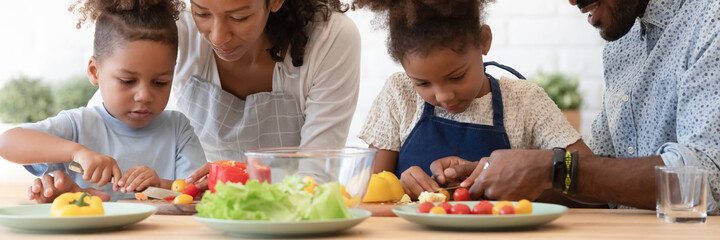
{"x": 134, "y": 56}
{"x": 444, "y": 106}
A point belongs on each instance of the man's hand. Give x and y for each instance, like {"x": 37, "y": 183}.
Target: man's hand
{"x": 98, "y": 168}
{"x": 415, "y": 181}
{"x": 48, "y": 187}
{"x": 138, "y": 178}
{"x": 512, "y": 175}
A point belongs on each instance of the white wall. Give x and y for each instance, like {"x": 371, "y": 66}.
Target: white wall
{"x": 39, "y": 39}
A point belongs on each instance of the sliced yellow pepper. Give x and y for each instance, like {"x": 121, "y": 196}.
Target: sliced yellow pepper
{"x": 76, "y": 204}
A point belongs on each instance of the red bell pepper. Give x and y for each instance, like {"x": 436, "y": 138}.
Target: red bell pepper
{"x": 225, "y": 171}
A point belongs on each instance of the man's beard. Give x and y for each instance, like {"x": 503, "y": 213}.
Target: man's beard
{"x": 623, "y": 16}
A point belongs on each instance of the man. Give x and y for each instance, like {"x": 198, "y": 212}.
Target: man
{"x": 661, "y": 106}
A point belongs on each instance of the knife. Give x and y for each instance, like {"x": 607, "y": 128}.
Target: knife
{"x": 153, "y": 192}
{"x": 447, "y": 188}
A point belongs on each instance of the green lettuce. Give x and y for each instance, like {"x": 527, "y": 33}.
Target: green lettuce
{"x": 282, "y": 202}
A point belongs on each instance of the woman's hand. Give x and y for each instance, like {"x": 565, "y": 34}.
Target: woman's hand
{"x": 138, "y": 178}
{"x": 415, "y": 181}
{"x": 49, "y": 186}
{"x": 199, "y": 177}
{"x": 97, "y": 168}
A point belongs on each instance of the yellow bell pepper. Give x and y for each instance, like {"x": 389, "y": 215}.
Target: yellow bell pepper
{"x": 76, "y": 204}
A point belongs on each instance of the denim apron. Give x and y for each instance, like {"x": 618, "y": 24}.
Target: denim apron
{"x": 434, "y": 137}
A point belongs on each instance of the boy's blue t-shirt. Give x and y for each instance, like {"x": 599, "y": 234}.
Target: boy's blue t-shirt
{"x": 168, "y": 144}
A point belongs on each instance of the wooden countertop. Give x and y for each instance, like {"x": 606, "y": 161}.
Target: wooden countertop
{"x": 576, "y": 224}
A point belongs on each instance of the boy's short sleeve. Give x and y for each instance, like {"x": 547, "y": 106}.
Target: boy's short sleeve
{"x": 190, "y": 155}
{"x": 63, "y": 126}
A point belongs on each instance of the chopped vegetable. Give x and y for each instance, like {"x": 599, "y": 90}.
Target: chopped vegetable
{"x": 76, "y": 204}
{"x": 281, "y": 202}
{"x": 141, "y": 196}
{"x": 183, "y": 199}
{"x": 226, "y": 171}
{"x": 191, "y": 190}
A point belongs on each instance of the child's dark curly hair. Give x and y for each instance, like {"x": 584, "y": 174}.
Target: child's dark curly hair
{"x": 129, "y": 20}
{"x": 419, "y": 26}
{"x": 287, "y": 27}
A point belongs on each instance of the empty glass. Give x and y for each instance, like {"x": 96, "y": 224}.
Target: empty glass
{"x": 684, "y": 194}
{"x": 660, "y": 189}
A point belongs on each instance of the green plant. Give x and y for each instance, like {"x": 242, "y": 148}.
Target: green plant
{"x": 73, "y": 93}
{"x": 23, "y": 99}
{"x": 561, "y": 88}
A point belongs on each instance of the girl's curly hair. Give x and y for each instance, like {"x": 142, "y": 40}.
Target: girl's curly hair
{"x": 129, "y": 20}
{"x": 288, "y": 26}
{"x": 419, "y": 26}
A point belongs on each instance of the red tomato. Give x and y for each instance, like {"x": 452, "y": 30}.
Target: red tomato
{"x": 483, "y": 207}
{"x": 460, "y": 209}
{"x": 507, "y": 210}
{"x": 461, "y": 194}
{"x": 425, "y": 207}
{"x": 225, "y": 171}
{"x": 446, "y": 206}
{"x": 191, "y": 190}
{"x": 169, "y": 198}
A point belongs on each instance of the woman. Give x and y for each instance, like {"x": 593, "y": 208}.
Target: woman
{"x": 266, "y": 73}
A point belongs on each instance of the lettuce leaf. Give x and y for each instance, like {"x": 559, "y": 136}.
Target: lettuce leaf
{"x": 282, "y": 202}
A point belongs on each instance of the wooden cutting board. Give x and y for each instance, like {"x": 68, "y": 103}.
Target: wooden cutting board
{"x": 380, "y": 209}
{"x": 167, "y": 208}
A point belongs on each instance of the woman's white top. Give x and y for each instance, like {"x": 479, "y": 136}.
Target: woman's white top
{"x": 531, "y": 119}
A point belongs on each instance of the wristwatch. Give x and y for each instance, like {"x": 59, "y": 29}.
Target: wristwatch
{"x": 559, "y": 169}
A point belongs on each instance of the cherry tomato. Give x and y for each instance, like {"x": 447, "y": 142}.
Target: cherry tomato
{"x": 169, "y": 198}
{"x": 191, "y": 190}
{"x": 446, "y": 206}
{"x": 178, "y": 185}
{"x": 523, "y": 207}
{"x": 460, "y": 209}
{"x": 461, "y": 194}
{"x": 183, "y": 199}
{"x": 500, "y": 205}
{"x": 507, "y": 210}
{"x": 483, "y": 207}
{"x": 437, "y": 210}
{"x": 425, "y": 207}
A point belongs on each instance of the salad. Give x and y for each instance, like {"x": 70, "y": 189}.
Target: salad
{"x": 287, "y": 201}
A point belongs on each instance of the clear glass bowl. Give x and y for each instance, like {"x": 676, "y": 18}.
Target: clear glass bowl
{"x": 351, "y": 167}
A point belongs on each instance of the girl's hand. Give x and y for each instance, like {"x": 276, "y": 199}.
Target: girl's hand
{"x": 415, "y": 181}
{"x": 98, "y": 168}
{"x": 48, "y": 187}
{"x": 438, "y": 169}
{"x": 138, "y": 178}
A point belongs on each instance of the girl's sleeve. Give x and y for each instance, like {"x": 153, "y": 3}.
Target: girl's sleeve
{"x": 546, "y": 123}
{"x": 382, "y": 126}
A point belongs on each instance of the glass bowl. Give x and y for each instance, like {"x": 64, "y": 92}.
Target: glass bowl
{"x": 350, "y": 167}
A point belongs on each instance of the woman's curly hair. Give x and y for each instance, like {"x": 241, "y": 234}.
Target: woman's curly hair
{"x": 129, "y": 20}
{"x": 419, "y": 26}
{"x": 288, "y": 26}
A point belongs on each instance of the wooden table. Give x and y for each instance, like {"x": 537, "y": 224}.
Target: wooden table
{"x": 576, "y": 224}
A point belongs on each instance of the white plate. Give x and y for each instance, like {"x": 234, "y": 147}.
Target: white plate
{"x": 37, "y": 217}
{"x": 284, "y": 229}
{"x": 542, "y": 213}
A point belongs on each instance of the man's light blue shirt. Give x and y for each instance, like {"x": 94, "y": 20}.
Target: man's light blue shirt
{"x": 168, "y": 145}
{"x": 662, "y": 90}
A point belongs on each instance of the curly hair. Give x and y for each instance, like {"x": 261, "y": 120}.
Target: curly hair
{"x": 419, "y": 26}
{"x": 129, "y": 20}
{"x": 287, "y": 27}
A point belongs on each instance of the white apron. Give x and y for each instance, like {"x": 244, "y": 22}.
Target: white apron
{"x": 228, "y": 125}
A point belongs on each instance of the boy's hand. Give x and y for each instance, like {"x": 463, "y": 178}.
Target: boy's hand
{"x": 98, "y": 168}
{"x": 138, "y": 178}
{"x": 48, "y": 187}
{"x": 415, "y": 181}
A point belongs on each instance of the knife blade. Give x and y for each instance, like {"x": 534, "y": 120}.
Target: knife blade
{"x": 447, "y": 188}
{"x": 159, "y": 193}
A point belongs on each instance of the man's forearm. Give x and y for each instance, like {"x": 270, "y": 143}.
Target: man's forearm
{"x": 629, "y": 182}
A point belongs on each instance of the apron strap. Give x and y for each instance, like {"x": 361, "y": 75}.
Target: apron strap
{"x": 503, "y": 67}
{"x": 428, "y": 111}
{"x": 497, "y": 103}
